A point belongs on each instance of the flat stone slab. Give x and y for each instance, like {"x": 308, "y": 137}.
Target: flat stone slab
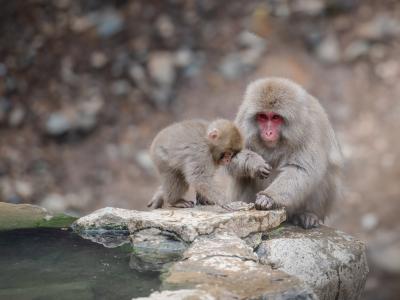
{"x": 187, "y": 224}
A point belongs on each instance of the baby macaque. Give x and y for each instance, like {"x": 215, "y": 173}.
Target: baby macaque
{"x": 188, "y": 153}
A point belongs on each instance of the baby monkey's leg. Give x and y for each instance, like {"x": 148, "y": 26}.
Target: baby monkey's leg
{"x": 157, "y": 201}
{"x": 174, "y": 188}
{"x": 205, "y": 187}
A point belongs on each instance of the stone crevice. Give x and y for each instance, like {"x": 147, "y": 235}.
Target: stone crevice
{"x": 338, "y": 285}
{"x": 232, "y": 256}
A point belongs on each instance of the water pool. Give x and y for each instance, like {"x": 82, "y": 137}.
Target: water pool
{"x": 58, "y": 264}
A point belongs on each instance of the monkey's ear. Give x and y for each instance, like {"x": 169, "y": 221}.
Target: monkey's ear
{"x": 213, "y": 134}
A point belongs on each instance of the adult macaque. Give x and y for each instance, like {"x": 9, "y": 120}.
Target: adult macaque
{"x": 287, "y": 127}
{"x": 188, "y": 153}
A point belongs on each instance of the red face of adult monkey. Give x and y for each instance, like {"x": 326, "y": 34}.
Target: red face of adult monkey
{"x": 269, "y": 125}
{"x": 286, "y": 130}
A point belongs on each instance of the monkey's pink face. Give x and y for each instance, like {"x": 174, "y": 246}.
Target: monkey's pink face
{"x": 269, "y": 125}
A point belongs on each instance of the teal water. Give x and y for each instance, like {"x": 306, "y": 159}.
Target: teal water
{"x": 54, "y": 264}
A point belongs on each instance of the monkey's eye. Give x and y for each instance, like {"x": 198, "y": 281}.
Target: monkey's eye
{"x": 262, "y": 117}
{"x": 276, "y": 117}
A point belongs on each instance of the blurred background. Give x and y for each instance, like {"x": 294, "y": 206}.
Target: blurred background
{"x": 86, "y": 85}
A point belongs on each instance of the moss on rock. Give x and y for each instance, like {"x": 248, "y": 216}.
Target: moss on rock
{"x": 18, "y": 216}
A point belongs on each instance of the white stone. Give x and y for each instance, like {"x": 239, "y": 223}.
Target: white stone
{"x": 24, "y": 188}
{"x": 162, "y": 67}
{"x": 183, "y": 58}
{"x": 329, "y": 51}
{"x": 55, "y": 203}
{"x": 369, "y": 221}
{"x": 98, "y": 59}
{"x": 165, "y": 26}
{"x": 17, "y": 116}
{"x": 308, "y": 7}
{"x": 356, "y": 50}
{"x": 144, "y": 160}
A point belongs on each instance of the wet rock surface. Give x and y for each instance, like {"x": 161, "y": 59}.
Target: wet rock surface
{"x": 152, "y": 248}
{"x": 235, "y": 253}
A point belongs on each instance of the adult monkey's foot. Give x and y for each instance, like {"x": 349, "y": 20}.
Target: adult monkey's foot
{"x": 306, "y": 220}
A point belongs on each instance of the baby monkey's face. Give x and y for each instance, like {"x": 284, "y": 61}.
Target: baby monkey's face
{"x": 225, "y": 140}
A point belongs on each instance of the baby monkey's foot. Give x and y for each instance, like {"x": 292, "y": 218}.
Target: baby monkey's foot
{"x": 156, "y": 202}
{"x": 182, "y": 203}
{"x": 202, "y": 200}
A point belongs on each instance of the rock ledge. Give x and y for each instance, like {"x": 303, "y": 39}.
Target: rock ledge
{"x": 239, "y": 253}
{"x": 187, "y": 224}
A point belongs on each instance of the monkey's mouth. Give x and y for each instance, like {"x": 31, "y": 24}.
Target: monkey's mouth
{"x": 225, "y": 158}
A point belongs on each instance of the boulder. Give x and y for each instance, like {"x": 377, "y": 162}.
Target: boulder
{"x": 331, "y": 262}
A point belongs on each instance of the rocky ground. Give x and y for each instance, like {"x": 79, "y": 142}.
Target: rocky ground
{"x": 84, "y": 86}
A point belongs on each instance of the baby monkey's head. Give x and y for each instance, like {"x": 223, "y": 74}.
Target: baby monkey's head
{"x": 225, "y": 140}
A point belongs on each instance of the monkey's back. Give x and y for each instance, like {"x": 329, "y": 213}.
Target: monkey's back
{"x": 174, "y": 144}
